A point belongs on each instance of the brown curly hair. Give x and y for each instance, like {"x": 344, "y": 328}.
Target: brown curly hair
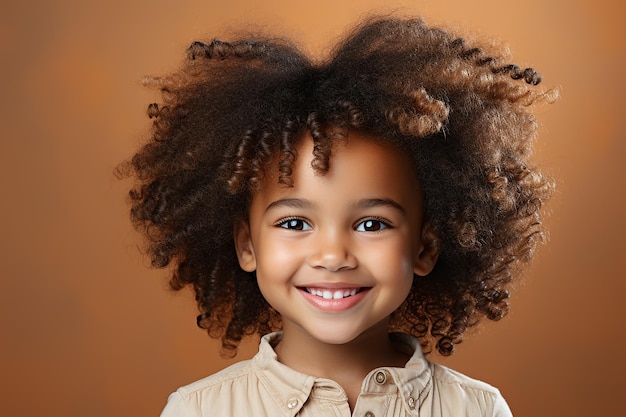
{"x": 462, "y": 113}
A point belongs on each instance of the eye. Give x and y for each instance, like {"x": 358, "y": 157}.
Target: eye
{"x": 294, "y": 224}
{"x": 371, "y": 225}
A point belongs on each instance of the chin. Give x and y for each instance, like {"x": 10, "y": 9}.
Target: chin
{"x": 336, "y": 337}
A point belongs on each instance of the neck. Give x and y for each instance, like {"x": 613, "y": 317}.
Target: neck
{"x": 347, "y": 364}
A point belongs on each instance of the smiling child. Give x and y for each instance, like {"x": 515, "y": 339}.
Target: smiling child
{"x": 355, "y": 213}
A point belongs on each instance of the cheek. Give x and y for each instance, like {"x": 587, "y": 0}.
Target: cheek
{"x": 273, "y": 256}
{"x": 275, "y": 259}
{"x": 394, "y": 261}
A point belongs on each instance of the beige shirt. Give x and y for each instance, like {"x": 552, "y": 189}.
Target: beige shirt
{"x": 263, "y": 386}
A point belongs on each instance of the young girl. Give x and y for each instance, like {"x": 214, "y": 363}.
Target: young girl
{"x": 357, "y": 212}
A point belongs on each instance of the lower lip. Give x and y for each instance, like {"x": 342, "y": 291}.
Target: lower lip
{"x": 332, "y": 305}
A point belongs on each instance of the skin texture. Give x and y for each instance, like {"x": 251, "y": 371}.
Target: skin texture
{"x": 360, "y": 227}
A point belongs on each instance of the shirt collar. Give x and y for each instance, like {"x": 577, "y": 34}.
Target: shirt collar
{"x": 291, "y": 389}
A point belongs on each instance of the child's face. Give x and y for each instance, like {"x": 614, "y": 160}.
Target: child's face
{"x": 335, "y": 254}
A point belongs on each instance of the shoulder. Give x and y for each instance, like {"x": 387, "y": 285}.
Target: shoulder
{"x": 227, "y": 376}
{"x": 450, "y": 377}
{"x": 219, "y": 390}
{"x": 460, "y": 390}
{"x": 442, "y": 391}
{"x": 242, "y": 389}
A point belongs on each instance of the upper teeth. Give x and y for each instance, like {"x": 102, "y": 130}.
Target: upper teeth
{"x": 332, "y": 294}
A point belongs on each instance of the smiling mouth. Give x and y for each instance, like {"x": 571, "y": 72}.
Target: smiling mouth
{"x": 333, "y": 294}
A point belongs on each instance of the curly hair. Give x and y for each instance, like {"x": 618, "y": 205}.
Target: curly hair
{"x": 463, "y": 114}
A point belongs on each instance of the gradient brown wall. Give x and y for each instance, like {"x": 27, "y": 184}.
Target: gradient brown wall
{"x": 88, "y": 330}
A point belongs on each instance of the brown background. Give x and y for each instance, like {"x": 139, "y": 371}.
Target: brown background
{"x": 88, "y": 330}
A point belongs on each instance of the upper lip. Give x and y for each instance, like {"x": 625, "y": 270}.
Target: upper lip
{"x": 332, "y": 285}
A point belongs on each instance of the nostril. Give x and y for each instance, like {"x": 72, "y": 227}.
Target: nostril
{"x": 332, "y": 260}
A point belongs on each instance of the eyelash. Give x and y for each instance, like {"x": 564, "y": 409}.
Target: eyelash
{"x": 299, "y": 224}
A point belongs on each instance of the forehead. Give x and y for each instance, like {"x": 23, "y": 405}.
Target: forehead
{"x": 359, "y": 166}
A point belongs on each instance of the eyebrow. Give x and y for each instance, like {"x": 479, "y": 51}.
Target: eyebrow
{"x": 361, "y": 204}
{"x": 289, "y": 202}
{"x": 379, "y": 202}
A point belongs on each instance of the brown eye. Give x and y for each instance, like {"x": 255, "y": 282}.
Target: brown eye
{"x": 294, "y": 224}
{"x": 371, "y": 225}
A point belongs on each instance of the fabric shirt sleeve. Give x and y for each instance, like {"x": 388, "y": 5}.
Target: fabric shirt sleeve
{"x": 181, "y": 406}
{"x": 501, "y": 408}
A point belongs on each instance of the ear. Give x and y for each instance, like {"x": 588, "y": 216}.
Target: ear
{"x": 244, "y": 246}
{"x": 427, "y": 253}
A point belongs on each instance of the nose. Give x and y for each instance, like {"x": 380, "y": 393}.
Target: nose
{"x": 332, "y": 251}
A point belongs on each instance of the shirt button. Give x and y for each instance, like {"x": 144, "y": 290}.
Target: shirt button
{"x": 411, "y": 402}
{"x": 369, "y": 414}
{"x": 380, "y": 377}
{"x": 292, "y": 403}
